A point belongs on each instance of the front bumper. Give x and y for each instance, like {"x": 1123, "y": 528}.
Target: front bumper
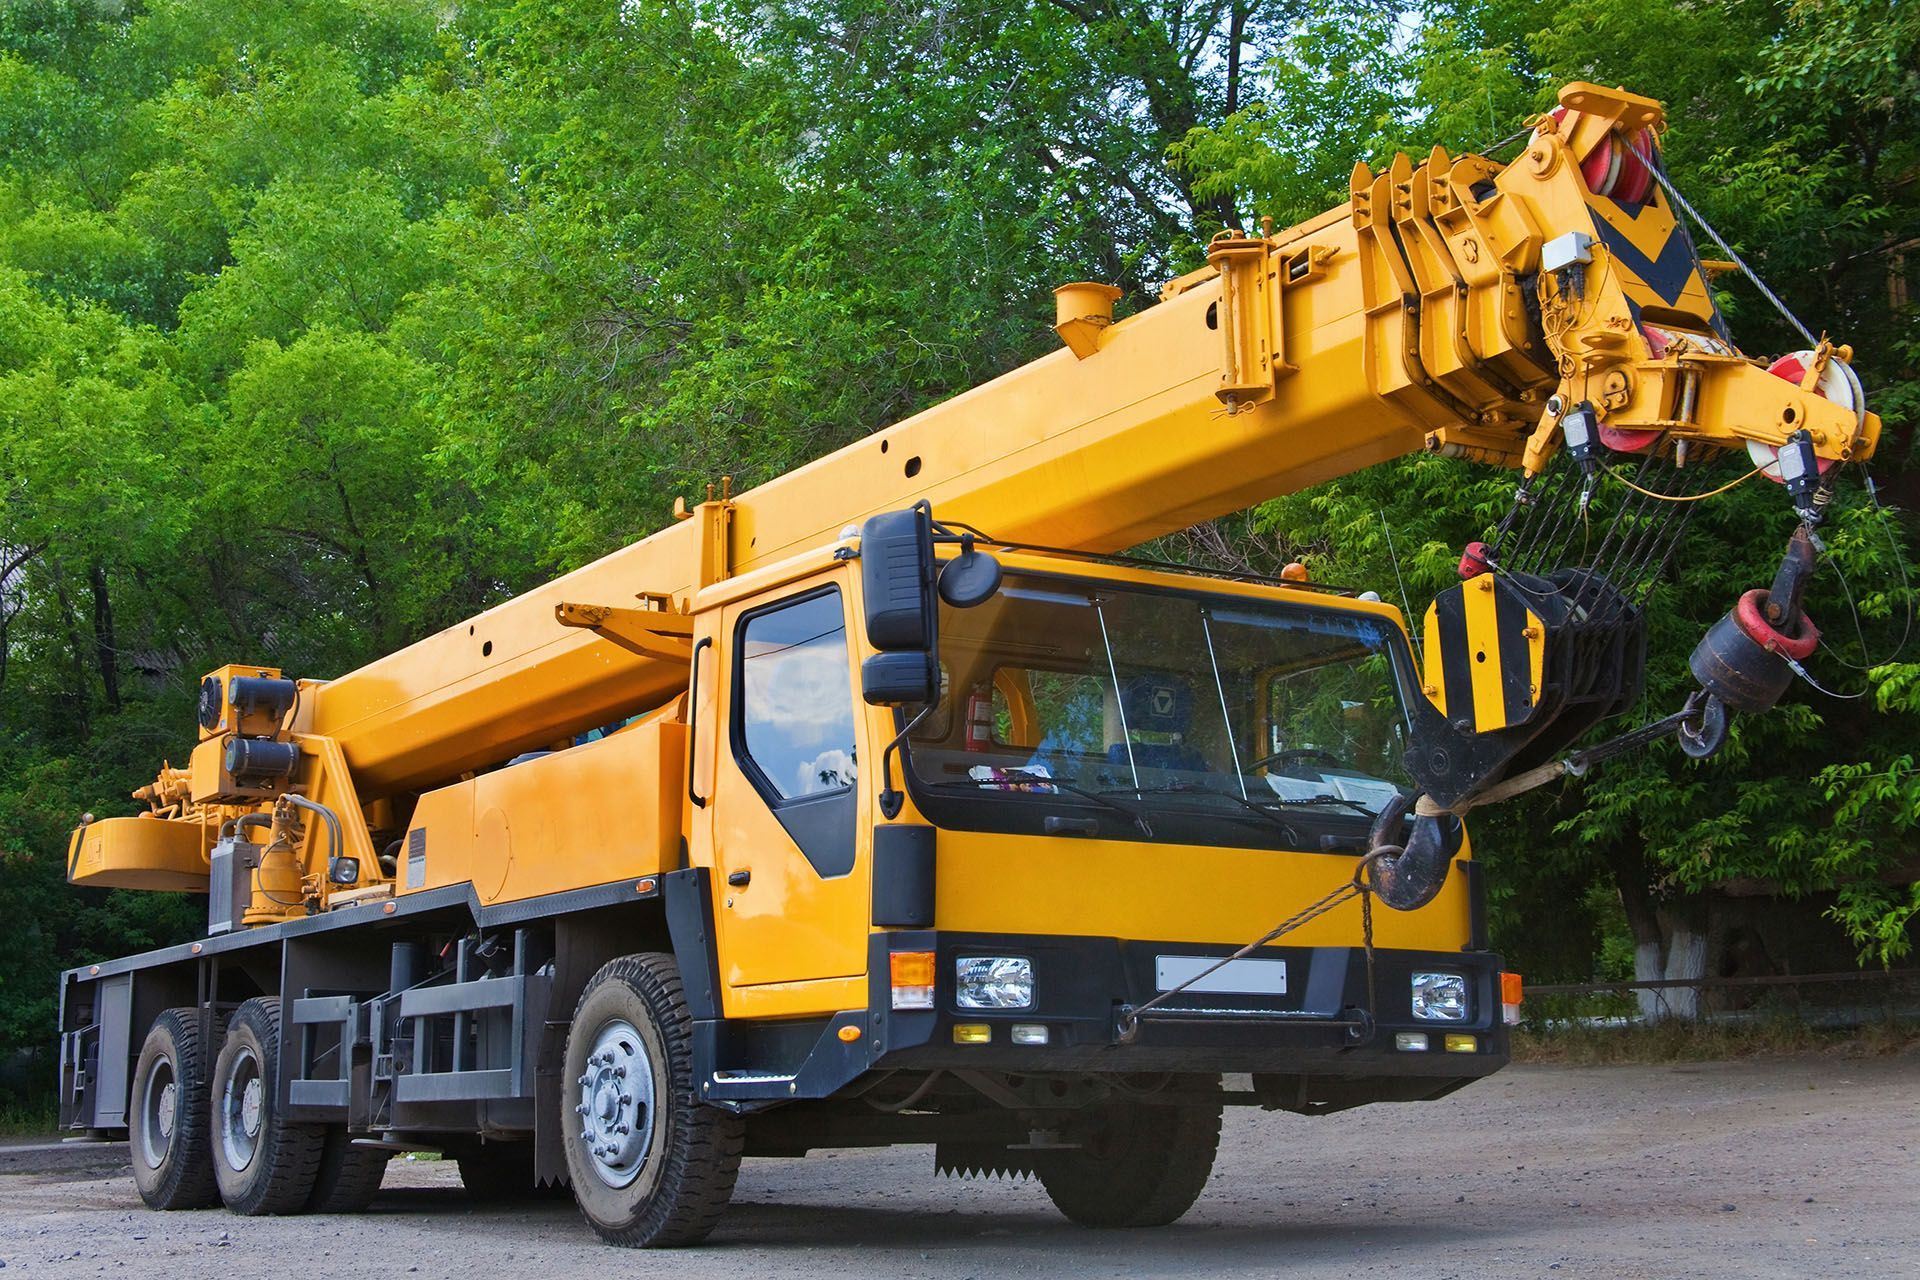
{"x": 1332, "y": 1020}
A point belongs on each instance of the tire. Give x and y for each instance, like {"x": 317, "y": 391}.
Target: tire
{"x": 629, "y": 1061}
{"x": 348, "y": 1177}
{"x": 262, "y": 1163}
{"x": 1142, "y": 1165}
{"x": 500, "y": 1173}
{"x": 169, "y": 1124}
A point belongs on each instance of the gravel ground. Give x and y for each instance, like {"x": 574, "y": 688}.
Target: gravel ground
{"x": 1803, "y": 1166}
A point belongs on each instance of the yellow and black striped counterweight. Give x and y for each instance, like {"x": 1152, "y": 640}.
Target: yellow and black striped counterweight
{"x": 1518, "y": 666}
{"x": 1485, "y": 652}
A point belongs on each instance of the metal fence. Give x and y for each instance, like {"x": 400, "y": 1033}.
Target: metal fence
{"x": 1847, "y": 999}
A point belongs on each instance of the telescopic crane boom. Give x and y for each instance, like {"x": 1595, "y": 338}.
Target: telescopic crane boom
{"x": 1454, "y": 305}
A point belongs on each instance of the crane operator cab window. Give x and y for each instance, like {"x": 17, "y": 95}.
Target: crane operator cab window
{"x": 1132, "y": 713}
{"x": 794, "y": 723}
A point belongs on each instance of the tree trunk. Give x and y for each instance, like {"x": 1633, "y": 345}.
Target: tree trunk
{"x": 76, "y": 699}
{"x": 1649, "y": 945}
{"x": 1685, "y": 925}
{"x": 106, "y": 647}
{"x": 1669, "y": 942}
{"x": 13, "y": 560}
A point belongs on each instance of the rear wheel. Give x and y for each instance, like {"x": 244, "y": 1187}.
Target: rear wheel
{"x": 349, "y": 1176}
{"x": 1140, "y": 1166}
{"x": 169, "y": 1129}
{"x": 262, "y": 1163}
{"x": 650, "y": 1166}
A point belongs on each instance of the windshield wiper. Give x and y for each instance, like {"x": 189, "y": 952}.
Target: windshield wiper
{"x": 1311, "y": 802}
{"x": 1253, "y": 807}
{"x": 1019, "y": 777}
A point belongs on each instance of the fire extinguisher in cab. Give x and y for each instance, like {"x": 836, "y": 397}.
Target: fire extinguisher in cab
{"x": 979, "y": 719}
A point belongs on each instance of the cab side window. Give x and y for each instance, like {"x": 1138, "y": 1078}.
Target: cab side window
{"x": 796, "y": 699}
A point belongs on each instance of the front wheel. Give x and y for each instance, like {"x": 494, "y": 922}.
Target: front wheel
{"x": 1140, "y": 1165}
{"x": 650, "y": 1166}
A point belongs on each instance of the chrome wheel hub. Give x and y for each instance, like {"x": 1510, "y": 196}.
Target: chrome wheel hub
{"x": 614, "y": 1104}
{"x": 158, "y": 1107}
{"x": 242, "y": 1110}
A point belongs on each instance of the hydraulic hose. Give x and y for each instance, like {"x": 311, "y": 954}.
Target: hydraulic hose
{"x": 336, "y": 839}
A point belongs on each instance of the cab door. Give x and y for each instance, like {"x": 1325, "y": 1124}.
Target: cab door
{"x": 791, "y": 906}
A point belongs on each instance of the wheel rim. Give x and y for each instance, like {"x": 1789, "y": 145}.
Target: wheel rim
{"x": 159, "y": 1106}
{"x": 614, "y": 1103}
{"x": 243, "y": 1105}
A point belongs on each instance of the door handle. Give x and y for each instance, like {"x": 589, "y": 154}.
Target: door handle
{"x": 693, "y": 721}
{"x": 738, "y": 879}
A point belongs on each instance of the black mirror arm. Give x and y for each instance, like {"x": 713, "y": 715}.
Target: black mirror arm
{"x": 891, "y": 800}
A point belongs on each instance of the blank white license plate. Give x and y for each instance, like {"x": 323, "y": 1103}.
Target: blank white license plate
{"x": 1236, "y": 978}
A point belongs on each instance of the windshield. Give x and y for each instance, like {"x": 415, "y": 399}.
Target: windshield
{"x": 1077, "y": 707}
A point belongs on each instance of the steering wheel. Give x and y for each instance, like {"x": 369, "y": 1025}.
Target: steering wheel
{"x": 1296, "y": 753}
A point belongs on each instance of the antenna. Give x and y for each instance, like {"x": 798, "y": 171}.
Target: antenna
{"x": 1406, "y": 606}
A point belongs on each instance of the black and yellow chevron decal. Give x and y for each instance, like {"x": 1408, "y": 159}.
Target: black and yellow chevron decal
{"x": 1484, "y": 654}
{"x": 1659, "y": 265}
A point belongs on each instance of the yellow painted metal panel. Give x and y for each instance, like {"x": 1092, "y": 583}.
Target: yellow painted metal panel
{"x": 439, "y": 847}
{"x": 593, "y": 814}
{"x": 1483, "y": 653}
{"x": 1435, "y": 687}
{"x": 1172, "y": 893}
{"x": 1536, "y": 654}
{"x": 203, "y": 767}
{"x": 787, "y": 924}
{"x": 139, "y": 853}
{"x": 796, "y": 999}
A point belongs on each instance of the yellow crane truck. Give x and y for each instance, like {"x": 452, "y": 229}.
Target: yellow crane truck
{"x": 889, "y": 803}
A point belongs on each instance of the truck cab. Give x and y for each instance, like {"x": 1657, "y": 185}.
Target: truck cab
{"x": 1125, "y": 772}
{"x": 995, "y": 895}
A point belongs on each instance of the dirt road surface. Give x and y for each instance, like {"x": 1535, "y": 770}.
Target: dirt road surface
{"x": 1806, "y": 1166}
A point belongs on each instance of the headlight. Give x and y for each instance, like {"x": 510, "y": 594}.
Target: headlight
{"x": 993, "y": 982}
{"x": 1440, "y": 997}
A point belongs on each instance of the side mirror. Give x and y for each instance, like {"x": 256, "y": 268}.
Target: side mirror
{"x": 970, "y": 579}
{"x": 902, "y": 588}
{"x": 900, "y": 679}
{"x": 902, "y": 596}
{"x": 896, "y": 578}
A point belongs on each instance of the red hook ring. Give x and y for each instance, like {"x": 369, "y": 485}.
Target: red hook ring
{"x": 1751, "y": 616}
